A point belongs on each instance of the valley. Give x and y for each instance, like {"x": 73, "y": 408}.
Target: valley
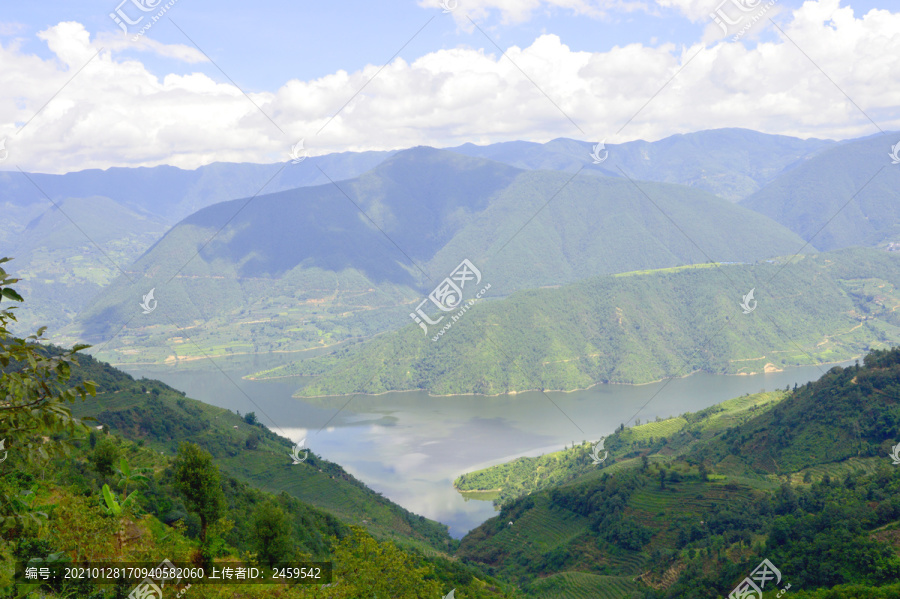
{"x": 738, "y": 368}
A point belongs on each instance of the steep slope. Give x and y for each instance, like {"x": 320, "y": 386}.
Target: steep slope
{"x": 151, "y": 412}
{"x": 847, "y": 195}
{"x": 246, "y": 259}
{"x": 634, "y": 328}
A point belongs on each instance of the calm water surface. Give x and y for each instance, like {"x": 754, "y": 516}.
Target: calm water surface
{"x": 411, "y": 447}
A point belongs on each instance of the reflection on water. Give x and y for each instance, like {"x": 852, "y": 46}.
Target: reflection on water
{"x": 410, "y": 447}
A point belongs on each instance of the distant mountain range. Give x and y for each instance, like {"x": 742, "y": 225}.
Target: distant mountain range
{"x": 340, "y": 247}
{"x": 391, "y": 234}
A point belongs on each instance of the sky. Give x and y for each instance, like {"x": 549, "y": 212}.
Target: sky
{"x": 245, "y": 82}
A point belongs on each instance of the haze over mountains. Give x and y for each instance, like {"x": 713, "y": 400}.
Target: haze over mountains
{"x": 429, "y": 209}
{"x": 344, "y": 246}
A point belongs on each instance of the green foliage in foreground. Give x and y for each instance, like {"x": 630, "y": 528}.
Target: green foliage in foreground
{"x": 34, "y": 386}
{"x": 823, "y": 308}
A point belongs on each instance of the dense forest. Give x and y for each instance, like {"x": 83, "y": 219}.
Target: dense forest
{"x": 633, "y": 328}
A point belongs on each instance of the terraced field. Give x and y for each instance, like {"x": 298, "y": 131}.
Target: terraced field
{"x": 580, "y": 585}
{"x": 541, "y": 530}
{"x": 839, "y": 470}
{"x": 661, "y": 428}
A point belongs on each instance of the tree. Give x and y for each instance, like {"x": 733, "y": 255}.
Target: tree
{"x": 662, "y": 478}
{"x": 198, "y": 480}
{"x": 250, "y": 418}
{"x": 34, "y": 387}
{"x": 104, "y": 456}
{"x": 364, "y": 567}
{"x": 273, "y": 533}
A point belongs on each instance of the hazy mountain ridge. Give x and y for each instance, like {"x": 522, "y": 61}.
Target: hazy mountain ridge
{"x": 845, "y": 196}
{"x": 430, "y": 209}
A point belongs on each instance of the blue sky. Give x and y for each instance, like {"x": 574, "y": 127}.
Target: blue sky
{"x": 599, "y": 63}
{"x": 262, "y": 48}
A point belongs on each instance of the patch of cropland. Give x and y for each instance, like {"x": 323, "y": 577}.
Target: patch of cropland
{"x": 635, "y": 328}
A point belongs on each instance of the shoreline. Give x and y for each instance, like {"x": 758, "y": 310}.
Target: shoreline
{"x": 295, "y": 396}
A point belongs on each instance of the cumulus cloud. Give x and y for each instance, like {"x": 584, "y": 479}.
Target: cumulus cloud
{"x": 115, "y": 112}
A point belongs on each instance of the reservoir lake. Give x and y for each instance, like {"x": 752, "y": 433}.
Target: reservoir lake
{"x": 410, "y": 446}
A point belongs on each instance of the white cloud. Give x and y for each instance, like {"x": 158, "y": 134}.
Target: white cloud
{"x": 117, "y": 113}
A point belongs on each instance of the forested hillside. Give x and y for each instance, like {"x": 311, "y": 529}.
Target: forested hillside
{"x": 635, "y": 328}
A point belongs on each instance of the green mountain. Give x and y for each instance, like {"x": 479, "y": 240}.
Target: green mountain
{"x": 66, "y": 255}
{"x": 688, "y": 507}
{"x": 634, "y": 328}
{"x": 308, "y": 269}
{"x": 845, "y": 196}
